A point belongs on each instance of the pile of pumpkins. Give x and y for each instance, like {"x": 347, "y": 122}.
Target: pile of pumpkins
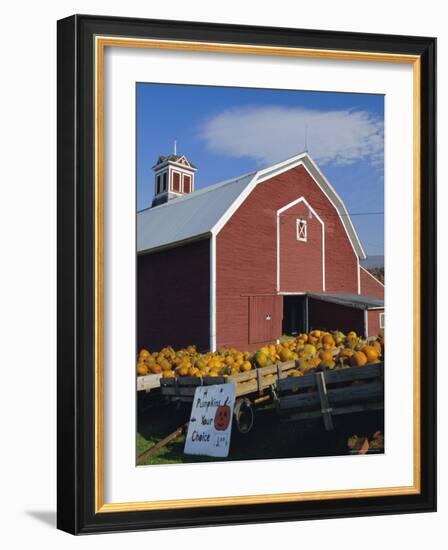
{"x": 189, "y": 362}
{"x": 332, "y": 350}
{"x": 316, "y": 349}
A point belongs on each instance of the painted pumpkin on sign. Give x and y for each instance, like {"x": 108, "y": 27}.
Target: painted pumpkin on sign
{"x": 222, "y": 417}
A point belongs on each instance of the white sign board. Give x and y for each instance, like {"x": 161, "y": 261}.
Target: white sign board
{"x": 211, "y": 421}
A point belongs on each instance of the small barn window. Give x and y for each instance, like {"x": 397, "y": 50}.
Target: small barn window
{"x": 158, "y": 188}
{"x": 301, "y": 230}
{"x": 187, "y": 184}
{"x": 176, "y": 182}
{"x": 381, "y": 320}
{"x": 164, "y": 186}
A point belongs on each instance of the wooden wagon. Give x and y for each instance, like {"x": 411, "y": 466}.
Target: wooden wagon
{"x": 329, "y": 393}
{"x": 253, "y": 388}
{"x": 317, "y": 394}
{"x": 247, "y": 382}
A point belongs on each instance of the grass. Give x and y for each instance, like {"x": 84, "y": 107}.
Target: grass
{"x": 268, "y": 439}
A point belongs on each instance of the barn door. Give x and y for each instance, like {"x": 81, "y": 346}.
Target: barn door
{"x": 265, "y": 318}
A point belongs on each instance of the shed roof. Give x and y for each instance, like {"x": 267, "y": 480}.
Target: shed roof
{"x": 358, "y": 301}
{"x": 207, "y": 210}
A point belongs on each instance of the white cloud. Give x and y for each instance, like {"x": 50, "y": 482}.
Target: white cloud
{"x": 270, "y": 134}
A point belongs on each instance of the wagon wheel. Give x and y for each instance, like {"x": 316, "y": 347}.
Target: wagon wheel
{"x": 244, "y": 415}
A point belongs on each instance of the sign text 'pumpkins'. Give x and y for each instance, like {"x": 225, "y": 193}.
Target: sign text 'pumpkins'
{"x": 210, "y": 424}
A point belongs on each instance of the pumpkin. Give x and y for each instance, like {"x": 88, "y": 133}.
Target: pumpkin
{"x": 222, "y": 417}
{"x": 358, "y": 359}
{"x": 142, "y": 369}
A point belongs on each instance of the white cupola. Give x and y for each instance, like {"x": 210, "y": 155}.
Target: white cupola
{"x": 173, "y": 177}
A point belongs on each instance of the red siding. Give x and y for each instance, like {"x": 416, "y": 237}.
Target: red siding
{"x": 330, "y": 316}
{"x": 246, "y": 252}
{"x": 370, "y": 286}
{"x": 374, "y": 321}
{"x": 300, "y": 262}
{"x": 173, "y": 297}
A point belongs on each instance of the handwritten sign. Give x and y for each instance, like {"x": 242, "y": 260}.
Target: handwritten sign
{"x": 211, "y": 421}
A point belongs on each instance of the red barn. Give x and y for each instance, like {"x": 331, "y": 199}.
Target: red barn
{"x": 244, "y": 261}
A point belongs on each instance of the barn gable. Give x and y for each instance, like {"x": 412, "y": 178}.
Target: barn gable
{"x": 260, "y": 253}
{"x": 307, "y": 162}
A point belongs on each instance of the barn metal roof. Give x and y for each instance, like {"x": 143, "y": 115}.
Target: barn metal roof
{"x": 206, "y": 211}
{"x": 187, "y": 217}
{"x": 358, "y": 301}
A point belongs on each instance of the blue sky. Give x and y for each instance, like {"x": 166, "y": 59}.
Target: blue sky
{"x": 230, "y": 131}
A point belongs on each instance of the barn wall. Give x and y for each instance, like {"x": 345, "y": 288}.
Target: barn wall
{"x": 246, "y": 252}
{"x": 370, "y": 286}
{"x": 374, "y": 321}
{"x": 329, "y": 316}
{"x": 173, "y": 297}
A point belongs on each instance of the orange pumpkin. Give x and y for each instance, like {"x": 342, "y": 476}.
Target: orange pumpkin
{"x": 222, "y": 417}
{"x": 358, "y": 359}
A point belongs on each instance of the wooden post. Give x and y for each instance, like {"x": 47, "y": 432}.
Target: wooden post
{"x": 259, "y": 380}
{"x": 366, "y": 323}
{"x": 307, "y": 319}
{"x": 324, "y": 403}
{"x": 174, "y": 435}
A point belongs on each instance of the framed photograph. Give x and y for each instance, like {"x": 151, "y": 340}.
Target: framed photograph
{"x": 246, "y": 274}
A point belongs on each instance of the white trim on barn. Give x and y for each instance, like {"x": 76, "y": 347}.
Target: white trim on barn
{"x": 340, "y": 206}
{"x": 234, "y": 206}
{"x": 188, "y": 216}
{"x": 305, "y": 160}
{"x": 301, "y": 230}
{"x": 366, "y": 323}
{"x": 373, "y": 276}
{"x": 344, "y": 225}
{"x": 325, "y": 186}
{"x": 358, "y": 274}
{"x": 212, "y": 293}
{"x": 311, "y": 209}
{"x": 181, "y": 158}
